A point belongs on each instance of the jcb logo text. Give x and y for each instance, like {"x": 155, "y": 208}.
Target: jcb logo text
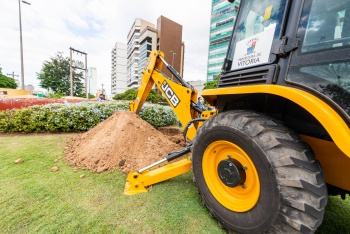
{"x": 170, "y": 94}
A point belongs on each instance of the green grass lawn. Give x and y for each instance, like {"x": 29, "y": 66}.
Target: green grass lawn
{"x": 35, "y": 200}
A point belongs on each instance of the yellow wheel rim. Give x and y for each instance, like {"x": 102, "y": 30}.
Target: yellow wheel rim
{"x": 240, "y": 198}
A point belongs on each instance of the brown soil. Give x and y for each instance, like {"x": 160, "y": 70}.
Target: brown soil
{"x": 123, "y": 141}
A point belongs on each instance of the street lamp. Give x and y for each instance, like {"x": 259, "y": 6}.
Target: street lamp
{"x": 102, "y": 89}
{"x": 172, "y": 62}
{"x": 20, "y": 33}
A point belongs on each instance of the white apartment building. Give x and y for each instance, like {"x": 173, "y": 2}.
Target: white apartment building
{"x": 133, "y": 53}
{"x": 92, "y": 76}
{"x": 119, "y": 68}
{"x": 148, "y": 42}
{"x": 198, "y": 85}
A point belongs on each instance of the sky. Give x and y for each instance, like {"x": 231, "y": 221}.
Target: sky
{"x": 93, "y": 27}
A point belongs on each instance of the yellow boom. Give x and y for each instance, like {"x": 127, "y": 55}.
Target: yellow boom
{"x": 182, "y": 99}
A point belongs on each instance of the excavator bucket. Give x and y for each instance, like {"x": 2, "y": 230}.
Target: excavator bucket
{"x": 138, "y": 182}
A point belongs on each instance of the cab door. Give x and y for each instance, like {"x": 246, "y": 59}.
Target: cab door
{"x": 258, "y": 28}
{"x": 321, "y": 64}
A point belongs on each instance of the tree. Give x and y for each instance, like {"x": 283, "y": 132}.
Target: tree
{"x": 131, "y": 94}
{"x": 7, "y": 82}
{"x": 154, "y": 97}
{"x": 212, "y": 84}
{"x": 55, "y": 76}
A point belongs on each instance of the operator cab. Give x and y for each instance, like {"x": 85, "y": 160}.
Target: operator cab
{"x": 302, "y": 44}
{"x": 257, "y": 26}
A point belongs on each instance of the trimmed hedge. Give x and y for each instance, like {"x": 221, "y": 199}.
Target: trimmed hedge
{"x": 158, "y": 116}
{"x": 73, "y": 117}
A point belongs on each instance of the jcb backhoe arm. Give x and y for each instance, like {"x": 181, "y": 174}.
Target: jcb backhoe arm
{"x": 181, "y": 96}
{"x": 182, "y": 99}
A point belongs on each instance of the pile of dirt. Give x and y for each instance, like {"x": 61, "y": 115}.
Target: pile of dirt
{"x": 123, "y": 141}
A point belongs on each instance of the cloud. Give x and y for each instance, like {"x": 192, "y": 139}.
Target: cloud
{"x": 94, "y": 26}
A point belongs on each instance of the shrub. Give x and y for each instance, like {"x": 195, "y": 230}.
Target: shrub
{"x": 58, "y": 94}
{"x": 158, "y": 116}
{"x": 73, "y": 117}
{"x": 58, "y": 117}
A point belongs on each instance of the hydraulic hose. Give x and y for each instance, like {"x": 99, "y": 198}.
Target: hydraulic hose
{"x": 189, "y": 124}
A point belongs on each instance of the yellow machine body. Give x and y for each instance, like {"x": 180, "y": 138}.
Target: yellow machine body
{"x": 332, "y": 155}
{"x": 279, "y": 143}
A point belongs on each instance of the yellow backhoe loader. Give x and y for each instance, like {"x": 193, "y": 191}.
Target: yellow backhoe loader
{"x": 278, "y": 142}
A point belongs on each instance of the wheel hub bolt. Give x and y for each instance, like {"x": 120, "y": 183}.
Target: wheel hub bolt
{"x": 244, "y": 167}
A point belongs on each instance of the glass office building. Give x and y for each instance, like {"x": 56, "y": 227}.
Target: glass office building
{"x": 223, "y": 16}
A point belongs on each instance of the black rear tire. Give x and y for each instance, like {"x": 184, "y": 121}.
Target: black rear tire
{"x": 292, "y": 194}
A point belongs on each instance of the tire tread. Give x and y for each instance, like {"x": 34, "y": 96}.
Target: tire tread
{"x": 307, "y": 203}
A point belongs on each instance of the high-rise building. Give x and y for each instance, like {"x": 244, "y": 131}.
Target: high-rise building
{"x": 223, "y": 16}
{"x": 169, "y": 41}
{"x": 92, "y": 76}
{"x": 119, "y": 64}
{"x": 144, "y": 37}
{"x": 147, "y": 41}
{"x": 133, "y": 52}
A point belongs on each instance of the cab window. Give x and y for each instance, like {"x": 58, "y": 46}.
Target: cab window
{"x": 322, "y": 63}
{"x": 326, "y": 25}
{"x": 256, "y": 28}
